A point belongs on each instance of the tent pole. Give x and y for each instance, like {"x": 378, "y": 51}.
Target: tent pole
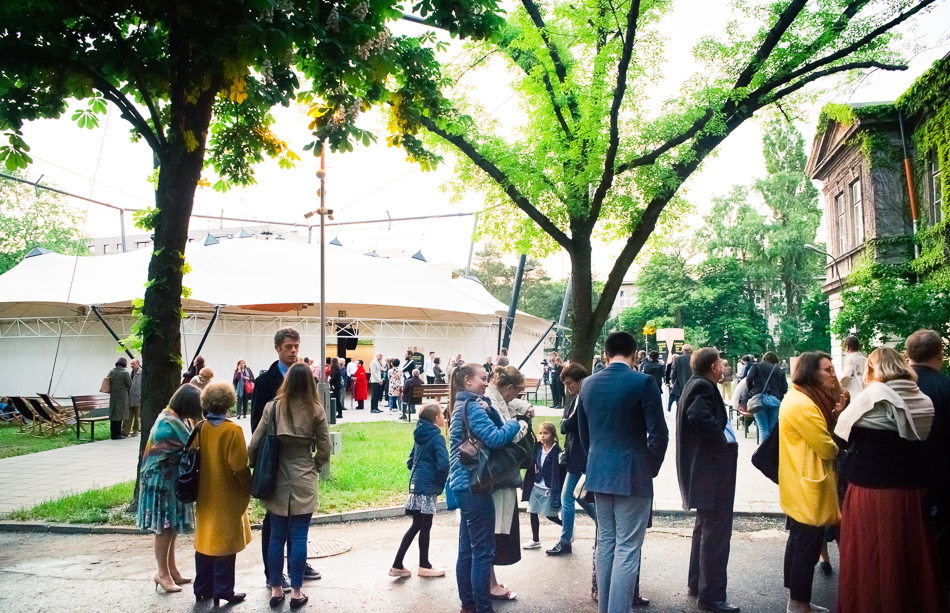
{"x": 513, "y": 307}
{"x": 208, "y": 330}
{"x": 564, "y": 304}
{"x": 122, "y": 227}
{"x": 536, "y": 345}
{"x": 95, "y": 309}
{"x": 471, "y": 248}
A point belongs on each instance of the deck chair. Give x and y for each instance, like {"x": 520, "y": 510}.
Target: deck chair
{"x": 36, "y": 426}
{"x": 68, "y": 416}
{"x": 54, "y": 423}
{"x": 13, "y": 417}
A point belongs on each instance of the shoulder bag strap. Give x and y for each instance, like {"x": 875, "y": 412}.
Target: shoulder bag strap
{"x": 196, "y": 433}
{"x": 767, "y": 379}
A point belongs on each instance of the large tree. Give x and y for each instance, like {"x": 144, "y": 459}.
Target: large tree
{"x": 589, "y": 160}
{"x": 195, "y": 79}
{"x": 32, "y": 218}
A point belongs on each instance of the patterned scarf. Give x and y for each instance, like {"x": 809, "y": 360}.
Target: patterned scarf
{"x": 168, "y": 437}
{"x": 825, "y": 400}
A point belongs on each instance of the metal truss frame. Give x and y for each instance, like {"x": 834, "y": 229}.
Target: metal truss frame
{"x": 262, "y": 325}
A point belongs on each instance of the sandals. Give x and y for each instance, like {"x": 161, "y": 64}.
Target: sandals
{"x": 508, "y": 595}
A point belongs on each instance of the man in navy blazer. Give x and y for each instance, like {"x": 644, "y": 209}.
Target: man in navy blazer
{"x": 621, "y": 425}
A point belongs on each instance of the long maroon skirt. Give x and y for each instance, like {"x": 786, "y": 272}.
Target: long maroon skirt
{"x": 888, "y": 557}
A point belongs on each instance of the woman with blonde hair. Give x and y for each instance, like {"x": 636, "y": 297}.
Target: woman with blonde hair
{"x": 888, "y": 555}
{"x": 506, "y": 386}
{"x": 159, "y": 510}
{"x": 300, "y": 424}
{"x": 224, "y": 489}
{"x": 807, "y": 481}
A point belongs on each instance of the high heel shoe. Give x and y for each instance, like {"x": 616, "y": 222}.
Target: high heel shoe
{"x": 182, "y": 580}
{"x": 232, "y": 599}
{"x": 168, "y": 588}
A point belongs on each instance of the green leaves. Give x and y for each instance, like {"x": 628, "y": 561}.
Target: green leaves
{"x": 145, "y": 219}
{"x": 14, "y": 154}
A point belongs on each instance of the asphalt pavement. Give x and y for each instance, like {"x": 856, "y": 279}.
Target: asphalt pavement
{"x": 50, "y": 572}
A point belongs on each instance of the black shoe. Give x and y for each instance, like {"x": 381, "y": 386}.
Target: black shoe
{"x": 232, "y": 599}
{"x": 718, "y": 607}
{"x": 296, "y": 603}
{"x": 375, "y": 411}
{"x": 692, "y": 591}
{"x": 640, "y": 601}
{"x": 826, "y": 569}
{"x": 276, "y": 600}
{"x": 310, "y": 574}
{"x": 559, "y": 549}
{"x": 202, "y": 597}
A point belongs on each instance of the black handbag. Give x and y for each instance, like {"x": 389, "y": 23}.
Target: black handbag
{"x": 264, "y": 477}
{"x": 186, "y": 486}
{"x": 492, "y": 466}
{"x": 765, "y": 457}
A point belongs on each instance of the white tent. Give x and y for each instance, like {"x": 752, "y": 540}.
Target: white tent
{"x": 259, "y": 286}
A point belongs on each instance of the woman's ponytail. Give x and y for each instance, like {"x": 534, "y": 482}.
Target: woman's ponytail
{"x": 457, "y": 384}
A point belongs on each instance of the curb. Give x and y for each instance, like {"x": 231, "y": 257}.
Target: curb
{"x": 333, "y": 518}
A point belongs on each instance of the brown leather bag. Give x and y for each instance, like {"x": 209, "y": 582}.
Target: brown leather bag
{"x": 106, "y": 386}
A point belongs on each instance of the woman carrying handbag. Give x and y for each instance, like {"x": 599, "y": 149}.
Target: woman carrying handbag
{"x": 298, "y": 420}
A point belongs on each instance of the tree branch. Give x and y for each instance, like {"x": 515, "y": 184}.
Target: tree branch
{"x": 772, "y": 39}
{"x": 844, "y": 52}
{"x": 560, "y": 69}
{"x": 778, "y": 95}
{"x": 501, "y": 179}
{"x": 129, "y": 112}
{"x": 526, "y": 62}
{"x": 649, "y": 158}
{"x": 633, "y": 16}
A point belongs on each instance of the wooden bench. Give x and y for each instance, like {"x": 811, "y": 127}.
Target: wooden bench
{"x": 435, "y": 391}
{"x": 531, "y": 387}
{"x": 89, "y": 410}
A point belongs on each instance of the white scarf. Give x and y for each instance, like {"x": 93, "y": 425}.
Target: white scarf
{"x": 897, "y": 405}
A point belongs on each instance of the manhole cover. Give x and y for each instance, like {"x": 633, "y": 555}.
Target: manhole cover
{"x": 324, "y": 548}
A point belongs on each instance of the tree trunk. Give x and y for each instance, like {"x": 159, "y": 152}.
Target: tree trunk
{"x": 161, "y": 335}
{"x": 584, "y": 331}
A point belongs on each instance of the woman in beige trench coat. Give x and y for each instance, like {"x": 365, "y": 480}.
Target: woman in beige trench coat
{"x": 300, "y": 424}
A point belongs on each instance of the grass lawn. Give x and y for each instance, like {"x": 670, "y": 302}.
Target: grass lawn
{"x": 371, "y": 473}
{"x": 13, "y": 443}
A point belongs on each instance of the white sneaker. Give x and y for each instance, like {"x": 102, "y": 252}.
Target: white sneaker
{"x": 816, "y": 609}
{"x": 531, "y": 545}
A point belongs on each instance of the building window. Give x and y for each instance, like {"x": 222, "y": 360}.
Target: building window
{"x": 936, "y": 190}
{"x": 105, "y": 249}
{"x": 141, "y": 244}
{"x": 842, "y": 224}
{"x": 857, "y": 213}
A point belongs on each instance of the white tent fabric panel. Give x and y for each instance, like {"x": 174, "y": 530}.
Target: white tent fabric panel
{"x": 257, "y": 276}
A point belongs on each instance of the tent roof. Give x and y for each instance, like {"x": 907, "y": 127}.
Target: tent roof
{"x": 252, "y": 276}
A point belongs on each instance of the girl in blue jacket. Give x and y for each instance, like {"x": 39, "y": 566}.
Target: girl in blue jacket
{"x": 429, "y": 463}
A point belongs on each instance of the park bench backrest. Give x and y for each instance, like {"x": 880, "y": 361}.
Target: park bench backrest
{"x": 91, "y": 406}
{"x": 435, "y": 391}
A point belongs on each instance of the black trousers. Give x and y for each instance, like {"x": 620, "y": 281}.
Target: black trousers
{"x": 214, "y": 575}
{"x": 377, "y": 394}
{"x": 430, "y": 380}
{"x": 712, "y": 534}
{"x": 115, "y": 428}
{"x": 241, "y": 408}
{"x": 801, "y": 554}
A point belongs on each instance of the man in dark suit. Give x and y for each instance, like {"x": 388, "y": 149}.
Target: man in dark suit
{"x": 680, "y": 374}
{"x": 706, "y": 457}
{"x": 924, "y": 350}
{"x": 621, "y": 426}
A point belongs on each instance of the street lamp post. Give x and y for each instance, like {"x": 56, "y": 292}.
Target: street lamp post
{"x": 833, "y": 258}
{"x": 323, "y": 212}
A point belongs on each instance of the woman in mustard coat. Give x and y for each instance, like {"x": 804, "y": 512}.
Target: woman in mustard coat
{"x": 808, "y": 484}
{"x": 224, "y": 490}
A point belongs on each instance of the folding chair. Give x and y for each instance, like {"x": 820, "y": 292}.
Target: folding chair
{"x": 36, "y": 425}
{"x": 54, "y": 423}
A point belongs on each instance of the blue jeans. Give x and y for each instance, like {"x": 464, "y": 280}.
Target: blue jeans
{"x": 476, "y": 550}
{"x": 394, "y": 403}
{"x": 673, "y": 398}
{"x": 567, "y": 507}
{"x": 765, "y": 421}
{"x": 293, "y": 531}
{"x": 621, "y": 525}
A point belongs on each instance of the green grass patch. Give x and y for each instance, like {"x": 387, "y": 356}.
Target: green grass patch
{"x": 370, "y": 473}
{"x": 99, "y": 506}
{"x": 14, "y": 443}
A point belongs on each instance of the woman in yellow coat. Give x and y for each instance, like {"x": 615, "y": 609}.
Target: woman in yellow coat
{"x": 808, "y": 485}
{"x": 224, "y": 490}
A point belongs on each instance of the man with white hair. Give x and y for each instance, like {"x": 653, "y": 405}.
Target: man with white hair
{"x": 376, "y": 382}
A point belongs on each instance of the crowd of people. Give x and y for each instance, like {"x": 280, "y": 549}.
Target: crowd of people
{"x": 867, "y": 454}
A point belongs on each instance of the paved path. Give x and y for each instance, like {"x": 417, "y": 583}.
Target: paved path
{"x": 30, "y": 479}
{"x": 81, "y": 573}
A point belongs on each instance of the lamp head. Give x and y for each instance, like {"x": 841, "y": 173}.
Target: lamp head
{"x": 321, "y": 174}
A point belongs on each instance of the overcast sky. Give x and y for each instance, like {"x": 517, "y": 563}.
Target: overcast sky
{"x": 374, "y": 182}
